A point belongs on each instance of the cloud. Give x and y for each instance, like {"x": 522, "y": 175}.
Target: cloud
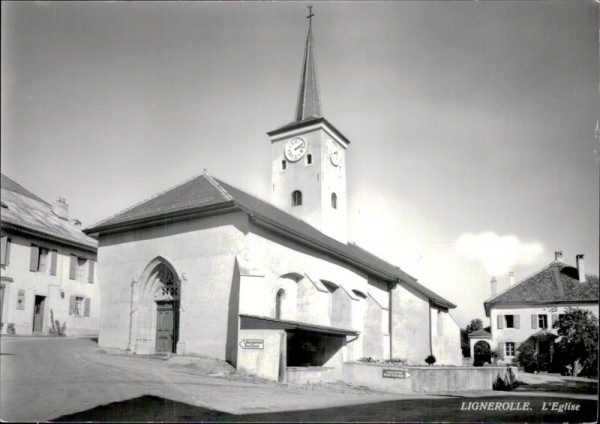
{"x": 498, "y": 254}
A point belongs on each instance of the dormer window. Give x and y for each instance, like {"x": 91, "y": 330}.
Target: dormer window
{"x": 297, "y": 198}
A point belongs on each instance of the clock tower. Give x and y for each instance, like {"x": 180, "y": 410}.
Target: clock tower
{"x": 309, "y": 159}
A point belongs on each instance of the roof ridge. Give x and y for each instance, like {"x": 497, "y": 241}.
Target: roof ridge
{"x": 146, "y": 200}
{"x": 519, "y": 283}
{"x": 216, "y": 185}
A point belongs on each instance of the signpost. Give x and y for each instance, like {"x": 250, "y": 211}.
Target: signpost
{"x": 252, "y": 344}
{"x": 387, "y": 373}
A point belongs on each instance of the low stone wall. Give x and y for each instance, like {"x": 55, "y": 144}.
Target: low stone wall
{"x": 304, "y": 375}
{"x": 411, "y": 379}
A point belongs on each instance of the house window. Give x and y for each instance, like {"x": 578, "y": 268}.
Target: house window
{"x": 80, "y": 275}
{"x": 43, "y": 259}
{"x": 279, "y": 303}
{"x": 297, "y": 198}
{"x": 510, "y": 321}
{"x": 509, "y": 348}
{"x": 5, "y": 251}
{"x": 309, "y": 159}
{"x": 283, "y": 165}
{"x": 334, "y": 200}
{"x": 543, "y": 321}
{"x": 78, "y": 309}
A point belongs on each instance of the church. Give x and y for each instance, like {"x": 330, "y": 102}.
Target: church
{"x": 274, "y": 288}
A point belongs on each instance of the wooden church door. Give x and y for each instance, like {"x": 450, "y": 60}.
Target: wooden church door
{"x": 166, "y": 327}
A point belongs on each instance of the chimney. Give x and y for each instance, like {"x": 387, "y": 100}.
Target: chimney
{"x": 558, "y": 256}
{"x": 511, "y": 278}
{"x": 581, "y": 266}
{"x": 493, "y": 283}
{"x": 60, "y": 208}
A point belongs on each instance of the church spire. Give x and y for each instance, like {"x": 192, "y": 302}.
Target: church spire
{"x": 309, "y": 101}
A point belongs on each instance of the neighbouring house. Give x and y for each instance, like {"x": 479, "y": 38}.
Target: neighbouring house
{"x": 47, "y": 266}
{"x": 275, "y": 288}
{"x": 527, "y": 310}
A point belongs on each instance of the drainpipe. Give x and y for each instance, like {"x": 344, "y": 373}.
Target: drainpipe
{"x": 390, "y": 321}
{"x": 131, "y": 311}
{"x": 430, "y": 331}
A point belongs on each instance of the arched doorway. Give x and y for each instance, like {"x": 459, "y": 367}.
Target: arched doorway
{"x": 157, "y": 325}
{"x": 482, "y": 353}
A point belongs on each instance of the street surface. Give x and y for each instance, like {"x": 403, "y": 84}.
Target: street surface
{"x": 72, "y": 379}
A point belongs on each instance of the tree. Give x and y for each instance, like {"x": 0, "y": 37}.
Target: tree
{"x": 578, "y": 331}
{"x": 474, "y": 325}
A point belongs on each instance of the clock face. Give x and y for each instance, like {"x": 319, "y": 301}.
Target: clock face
{"x": 334, "y": 153}
{"x": 295, "y": 149}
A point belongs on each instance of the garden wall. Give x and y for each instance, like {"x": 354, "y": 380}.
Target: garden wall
{"x": 412, "y": 379}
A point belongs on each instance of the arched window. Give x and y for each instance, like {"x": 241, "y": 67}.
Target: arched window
{"x": 279, "y": 299}
{"x": 283, "y": 165}
{"x": 309, "y": 159}
{"x": 296, "y": 198}
{"x": 334, "y": 200}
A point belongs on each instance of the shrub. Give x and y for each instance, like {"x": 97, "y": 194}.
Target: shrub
{"x": 430, "y": 360}
{"x": 367, "y": 359}
{"x": 526, "y": 358}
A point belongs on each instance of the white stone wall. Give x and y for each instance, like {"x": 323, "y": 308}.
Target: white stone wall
{"x": 410, "y": 325}
{"x": 445, "y": 338}
{"x": 58, "y": 289}
{"x": 202, "y": 253}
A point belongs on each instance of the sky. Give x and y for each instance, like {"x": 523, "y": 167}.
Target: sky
{"x": 472, "y": 124}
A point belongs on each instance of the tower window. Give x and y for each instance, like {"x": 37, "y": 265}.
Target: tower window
{"x": 334, "y": 200}
{"x": 297, "y": 198}
{"x": 309, "y": 159}
{"x": 279, "y": 303}
{"x": 283, "y": 165}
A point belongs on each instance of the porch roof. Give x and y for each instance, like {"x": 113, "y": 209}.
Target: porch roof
{"x": 255, "y": 321}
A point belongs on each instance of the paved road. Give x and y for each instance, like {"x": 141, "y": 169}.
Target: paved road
{"x": 47, "y": 378}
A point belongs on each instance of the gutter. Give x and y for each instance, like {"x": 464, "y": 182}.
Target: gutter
{"x": 45, "y": 236}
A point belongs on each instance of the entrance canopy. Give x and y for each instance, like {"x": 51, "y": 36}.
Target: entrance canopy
{"x": 257, "y": 322}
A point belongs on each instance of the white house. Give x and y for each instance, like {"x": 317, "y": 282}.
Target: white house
{"x": 530, "y": 308}
{"x": 47, "y": 266}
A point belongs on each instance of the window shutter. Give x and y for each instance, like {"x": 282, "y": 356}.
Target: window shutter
{"x": 33, "y": 260}
{"x": 71, "y": 305}
{"x": 73, "y": 267}
{"x": 554, "y": 319}
{"x": 91, "y": 271}
{"x": 502, "y": 348}
{"x": 7, "y": 251}
{"x": 534, "y": 323}
{"x": 517, "y": 321}
{"x": 53, "y": 258}
{"x": 86, "y": 307}
{"x": 3, "y": 250}
{"x": 500, "y": 322}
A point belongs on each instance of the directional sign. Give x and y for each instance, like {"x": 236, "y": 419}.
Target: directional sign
{"x": 252, "y": 344}
{"x": 395, "y": 373}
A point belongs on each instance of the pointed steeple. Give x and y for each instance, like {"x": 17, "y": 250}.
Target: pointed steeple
{"x": 309, "y": 100}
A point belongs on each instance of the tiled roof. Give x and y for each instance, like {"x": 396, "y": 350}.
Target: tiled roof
{"x": 15, "y": 187}
{"x": 556, "y": 283}
{"x": 309, "y": 100}
{"x": 27, "y": 213}
{"x": 204, "y": 193}
{"x": 480, "y": 334}
{"x": 306, "y": 123}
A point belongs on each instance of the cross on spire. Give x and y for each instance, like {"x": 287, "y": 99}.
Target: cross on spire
{"x": 310, "y": 15}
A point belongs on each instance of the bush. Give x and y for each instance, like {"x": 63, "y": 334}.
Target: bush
{"x": 430, "y": 360}
{"x": 526, "y": 358}
{"x": 367, "y": 359}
